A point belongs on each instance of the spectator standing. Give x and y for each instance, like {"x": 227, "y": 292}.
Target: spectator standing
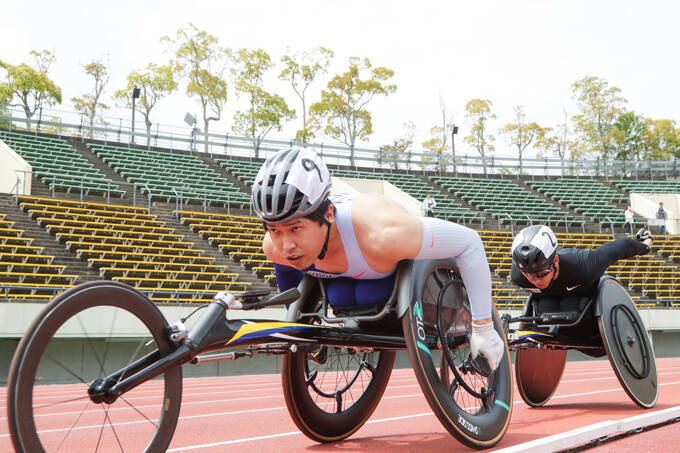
{"x": 428, "y": 205}
{"x": 628, "y": 215}
{"x": 662, "y": 215}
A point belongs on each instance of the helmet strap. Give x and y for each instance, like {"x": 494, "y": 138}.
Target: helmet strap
{"x": 324, "y": 249}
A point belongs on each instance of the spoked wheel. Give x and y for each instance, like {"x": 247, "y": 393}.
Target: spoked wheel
{"x": 473, "y": 403}
{"x": 331, "y": 391}
{"x": 86, "y": 333}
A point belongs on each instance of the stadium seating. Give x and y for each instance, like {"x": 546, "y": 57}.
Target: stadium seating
{"x": 25, "y": 271}
{"x": 240, "y": 237}
{"x": 416, "y": 187}
{"x": 588, "y": 197}
{"x": 168, "y": 175}
{"x": 127, "y": 244}
{"x": 500, "y": 197}
{"x": 59, "y": 165}
{"x": 646, "y": 186}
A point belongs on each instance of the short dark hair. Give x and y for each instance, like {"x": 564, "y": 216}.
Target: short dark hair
{"x": 319, "y": 214}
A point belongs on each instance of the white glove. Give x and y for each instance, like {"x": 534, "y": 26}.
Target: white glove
{"x": 485, "y": 341}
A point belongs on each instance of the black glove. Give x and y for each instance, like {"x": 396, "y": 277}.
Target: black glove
{"x": 643, "y": 234}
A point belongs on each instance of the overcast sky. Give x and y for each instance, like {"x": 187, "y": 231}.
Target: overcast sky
{"x": 510, "y": 52}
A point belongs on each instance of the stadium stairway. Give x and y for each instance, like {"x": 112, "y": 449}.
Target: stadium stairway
{"x": 43, "y": 238}
{"x": 164, "y": 211}
{"x": 101, "y": 166}
{"x": 210, "y": 161}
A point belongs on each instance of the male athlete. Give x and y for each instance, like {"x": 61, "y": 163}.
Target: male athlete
{"x": 539, "y": 267}
{"x": 357, "y": 241}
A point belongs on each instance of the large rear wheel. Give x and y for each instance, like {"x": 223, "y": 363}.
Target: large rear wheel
{"x": 473, "y": 403}
{"x": 86, "y": 333}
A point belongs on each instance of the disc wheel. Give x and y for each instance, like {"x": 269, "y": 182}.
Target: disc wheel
{"x": 538, "y": 373}
{"x": 331, "y": 391}
{"x": 473, "y": 403}
{"x": 627, "y": 344}
{"x": 90, "y": 332}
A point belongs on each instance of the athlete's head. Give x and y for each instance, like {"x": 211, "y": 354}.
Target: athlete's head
{"x": 290, "y": 195}
{"x": 534, "y": 252}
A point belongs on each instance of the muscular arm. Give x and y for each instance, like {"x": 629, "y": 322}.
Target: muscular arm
{"x": 600, "y": 258}
{"x": 398, "y": 235}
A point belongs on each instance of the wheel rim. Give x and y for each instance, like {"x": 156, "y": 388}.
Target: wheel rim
{"x": 338, "y": 379}
{"x": 78, "y": 347}
{"x": 469, "y": 389}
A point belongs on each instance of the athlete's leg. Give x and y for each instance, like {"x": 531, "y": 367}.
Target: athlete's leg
{"x": 287, "y": 277}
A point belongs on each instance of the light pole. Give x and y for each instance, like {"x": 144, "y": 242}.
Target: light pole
{"x": 454, "y": 131}
{"x": 135, "y": 95}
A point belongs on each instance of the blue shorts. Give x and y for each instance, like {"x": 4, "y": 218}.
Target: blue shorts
{"x": 342, "y": 291}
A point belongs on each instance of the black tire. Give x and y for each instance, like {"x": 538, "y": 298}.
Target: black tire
{"x": 330, "y": 410}
{"x": 474, "y": 408}
{"x": 627, "y": 345}
{"x": 48, "y": 360}
{"x": 538, "y": 372}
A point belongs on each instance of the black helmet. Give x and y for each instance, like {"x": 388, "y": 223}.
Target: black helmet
{"x": 534, "y": 248}
{"x": 290, "y": 184}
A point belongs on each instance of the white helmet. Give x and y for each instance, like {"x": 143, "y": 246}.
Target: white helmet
{"x": 290, "y": 184}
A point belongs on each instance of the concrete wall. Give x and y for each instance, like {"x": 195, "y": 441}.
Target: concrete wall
{"x": 10, "y": 161}
{"x": 355, "y": 186}
{"x": 646, "y": 205}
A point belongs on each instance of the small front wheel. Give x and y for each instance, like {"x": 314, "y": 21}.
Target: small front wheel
{"x": 473, "y": 405}
{"x": 86, "y": 333}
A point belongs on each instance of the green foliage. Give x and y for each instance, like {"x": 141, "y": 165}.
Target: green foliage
{"x": 89, "y": 104}
{"x": 342, "y": 107}
{"x": 201, "y": 62}
{"x": 400, "y": 148}
{"x": 154, "y": 83}
{"x": 266, "y": 111}
{"x": 600, "y": 105}
{"x": 301, "y": 70}
{"x": 478, "y": 112}
{"x": 626, "y": 136}
{"x": 29, "y": 87}
{"x": 519, "y": 133}
{"x": 660, "y": 140}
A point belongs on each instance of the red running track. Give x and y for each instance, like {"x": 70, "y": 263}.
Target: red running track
{"x": 248, "y": 414}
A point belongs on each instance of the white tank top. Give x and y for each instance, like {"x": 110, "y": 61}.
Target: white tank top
{"x": 357, "y": 267}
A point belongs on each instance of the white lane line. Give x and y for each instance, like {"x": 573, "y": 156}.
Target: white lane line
{"x": 586, "y": 434}
{"x": 271, "y": 436}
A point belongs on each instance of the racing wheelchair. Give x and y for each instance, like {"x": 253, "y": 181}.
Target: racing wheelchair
{"x": 606, "y": 324}
{"x": 336, "y": 363}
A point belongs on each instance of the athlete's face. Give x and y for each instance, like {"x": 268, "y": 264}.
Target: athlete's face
{"x": 543, "y": 279}
{"x": 299, "y": 241}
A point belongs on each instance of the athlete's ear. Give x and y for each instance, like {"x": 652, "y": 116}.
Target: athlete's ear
{"x": 330, "y": 213}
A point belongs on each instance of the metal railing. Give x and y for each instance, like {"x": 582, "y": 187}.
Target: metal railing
{"x": 239, "y": 146}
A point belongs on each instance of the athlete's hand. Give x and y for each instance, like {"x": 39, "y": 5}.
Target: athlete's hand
{"x": 486, "y": 341}
{"x": 643, "y": 235}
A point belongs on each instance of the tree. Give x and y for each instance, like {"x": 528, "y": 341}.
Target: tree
{"x": 301, "y": 70}
{"x": 660, "y": 140}
{"x": 600, "y": 105}
{"x": 520, "y": 133}
{"x": 343, "y": 103}
{"x": 626, "y": 136}
{"x": 478, "y": 112}
{"x": 265, "y": 110}
{"x": 90, "y": 103}
{"x": 201, "y": 62}
{"x": 154, "y": 83}
{"x": 30, "y": 85}
{"x": 394, "y": 151}
{"x": 437, "y": 144}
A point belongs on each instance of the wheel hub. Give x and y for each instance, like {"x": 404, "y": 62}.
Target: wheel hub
{"x": 99, "y": 391}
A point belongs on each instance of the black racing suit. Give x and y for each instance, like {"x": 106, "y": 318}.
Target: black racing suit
{"x": 580, "y": 270}
{"x": 576, "y": 284}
